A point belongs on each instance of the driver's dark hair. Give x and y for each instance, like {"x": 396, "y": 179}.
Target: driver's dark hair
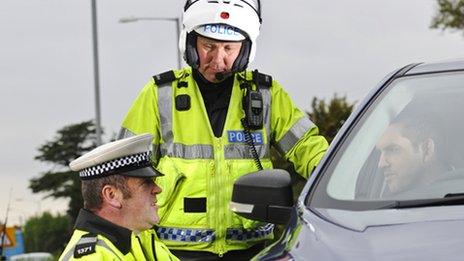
{"x": 418, "y": 126}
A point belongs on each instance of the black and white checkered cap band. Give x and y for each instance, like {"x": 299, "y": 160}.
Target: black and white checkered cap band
{"x": 130, "y": 162}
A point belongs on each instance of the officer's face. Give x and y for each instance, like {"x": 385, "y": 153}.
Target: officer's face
{"x": 400, "y": 160}
{"x": 140, "y": 210}
{"x": 216, "y": 56}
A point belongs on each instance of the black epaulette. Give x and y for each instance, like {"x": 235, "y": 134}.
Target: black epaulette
{"x": 163, "y": 78}
{"x": 86, "y": 245}
{"x": 263, "y": 80}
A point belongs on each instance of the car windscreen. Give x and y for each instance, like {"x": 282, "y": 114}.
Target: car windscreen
{"x": 406, "y": 149}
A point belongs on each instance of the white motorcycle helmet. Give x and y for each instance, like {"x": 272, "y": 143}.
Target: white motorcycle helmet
{"x": 224, "y": 20}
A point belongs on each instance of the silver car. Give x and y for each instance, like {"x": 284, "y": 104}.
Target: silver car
{"x": 391, "y": 186}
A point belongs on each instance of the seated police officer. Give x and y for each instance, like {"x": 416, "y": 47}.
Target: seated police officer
{"x": 119, "y": 204}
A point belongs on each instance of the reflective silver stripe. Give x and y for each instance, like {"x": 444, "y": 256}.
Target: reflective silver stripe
{"x": 295, "y": 133}
{"x": 178, "y": 150}
{"x": 204, "y": 151}
{"x": 86, "y": 240}
{"x": 168, "y": 148}
{"x": 165, "y": 111}
{"x": 186, "y": 234}
{"x": 156, "y": 152}
{"x": 246, "y": 235}
{"x": 242, "y": 151}
{"x": 103, "y": 244}
{"x": 125, "y": 133}
{"x": 68, "y": 254}
{"x": 267, "y": 112}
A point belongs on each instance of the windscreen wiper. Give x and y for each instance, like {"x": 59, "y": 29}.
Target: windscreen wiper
{"x": 448, "y": 200}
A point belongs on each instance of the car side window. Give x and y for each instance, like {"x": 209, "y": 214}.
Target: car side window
{"x": 408, "y": 145}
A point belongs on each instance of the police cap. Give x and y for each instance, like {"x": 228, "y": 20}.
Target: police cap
{"x": 128, "y": 157}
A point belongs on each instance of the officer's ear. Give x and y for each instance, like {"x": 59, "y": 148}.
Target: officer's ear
{"x": 112, "y": 196}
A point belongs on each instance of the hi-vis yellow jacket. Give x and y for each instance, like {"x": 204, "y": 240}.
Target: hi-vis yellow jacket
{"x": 97, "y": 239}
{"x": 200, "y": 169}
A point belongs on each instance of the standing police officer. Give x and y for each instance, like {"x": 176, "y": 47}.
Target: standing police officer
{"x": 213, "y": 122}
{"x": 119, "y": 204}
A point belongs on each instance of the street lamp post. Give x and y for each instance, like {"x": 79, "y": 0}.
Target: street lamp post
{"x": 172, "y": 19}
{"x": 96, "y": 75}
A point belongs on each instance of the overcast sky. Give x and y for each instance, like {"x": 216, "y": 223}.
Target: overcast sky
{"x": 312, "y": 47}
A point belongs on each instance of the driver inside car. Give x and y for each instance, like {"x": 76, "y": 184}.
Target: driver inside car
{"x": 411, "y": 153}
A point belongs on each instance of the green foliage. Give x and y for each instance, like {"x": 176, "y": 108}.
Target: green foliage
{"x": 46, "y": 233}
{"x": 70, "y": 142}
{"x": 450, "y": 15}
{"x": 329, "y": 117}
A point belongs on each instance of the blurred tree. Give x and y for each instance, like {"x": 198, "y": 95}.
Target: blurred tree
{"x": 70, "y": 142}
{"x": 329, "y": 117}
{"x": 450, "y": 15}
{"x": 46, "y": 233}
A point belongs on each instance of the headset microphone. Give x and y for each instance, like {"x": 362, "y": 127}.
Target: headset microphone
{"x": 220, "y": 76}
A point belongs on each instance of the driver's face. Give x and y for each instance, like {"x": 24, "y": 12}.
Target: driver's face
{"x": 401, "y": 161}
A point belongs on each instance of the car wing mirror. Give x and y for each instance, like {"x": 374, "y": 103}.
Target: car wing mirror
{"x": 265, "y": 195}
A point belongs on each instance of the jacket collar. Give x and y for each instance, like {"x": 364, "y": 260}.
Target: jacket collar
{"x": 119, "y": 236}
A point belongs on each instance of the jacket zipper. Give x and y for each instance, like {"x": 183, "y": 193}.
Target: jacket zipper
{"x": 220, "y": 198}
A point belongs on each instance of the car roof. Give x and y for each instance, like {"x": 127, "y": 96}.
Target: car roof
{"x": 442, "y": 66}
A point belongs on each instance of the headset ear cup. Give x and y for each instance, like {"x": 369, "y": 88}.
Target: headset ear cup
{"x": 241, "y": 62}
{"x": 191, "y": 54}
